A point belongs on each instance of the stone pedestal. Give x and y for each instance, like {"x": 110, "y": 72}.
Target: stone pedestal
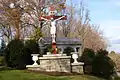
{"x": 77, "y": 67}
{"x": 55, "y": 63}
{"x": 35, "y": 66}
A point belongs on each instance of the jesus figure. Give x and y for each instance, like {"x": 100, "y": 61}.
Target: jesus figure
{"x": 53, "y": 26}
{"x": 53, "y": 29}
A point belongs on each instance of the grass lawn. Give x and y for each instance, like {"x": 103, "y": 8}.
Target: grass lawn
{"x": 26, "y": 75}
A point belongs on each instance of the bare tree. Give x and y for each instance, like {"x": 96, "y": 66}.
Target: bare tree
{"x": 23, "y": 21}
{"x": 65, "y": 28}
{"x": 90, "y": 35}
{"x": 82, "y": 24}
{"x": 116, "y": 58}
{"x": 24, "y": 18}
{"x": 11, "y": 15}
{"x": 39, "y": 9}
{"x": 95, "y": 40}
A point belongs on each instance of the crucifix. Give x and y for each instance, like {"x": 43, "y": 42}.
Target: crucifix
{"x": 52, "y": 18}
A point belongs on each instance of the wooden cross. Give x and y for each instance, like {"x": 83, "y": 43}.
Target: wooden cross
{"x": 52, "y": 18}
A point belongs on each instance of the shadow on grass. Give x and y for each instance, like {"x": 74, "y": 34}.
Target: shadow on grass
{"x": 55, "y": 73}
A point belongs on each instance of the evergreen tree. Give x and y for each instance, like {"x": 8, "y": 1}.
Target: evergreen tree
{"x": 2, "y": 48}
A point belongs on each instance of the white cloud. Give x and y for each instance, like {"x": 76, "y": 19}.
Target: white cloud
{"x": 111, "y": 28}
{"x": 117, "y": 3}
{"x": 117, "y": 38}
{"x": 114, "y": 47}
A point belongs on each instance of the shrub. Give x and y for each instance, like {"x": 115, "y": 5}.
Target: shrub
{"x": 87, "y": 57}
{"x": 2, "y": 49}
{"x": 3, "y": 68}
{"x": 31, "y": 47}
{"x": 117, "y": 78}
{"x": 47, "y": 49}
{"x": 15, "y": 56}
{"x": 116, "y": 59}
{"x": 68, "y": 51}
{"x": 2, "y": 62}
{"x": 112, "y": 52}
{"x": 103, "y": 66}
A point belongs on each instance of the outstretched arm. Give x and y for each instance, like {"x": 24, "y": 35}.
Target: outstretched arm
{"x": 44, "y": 19}
{"x": 59, "y": 18}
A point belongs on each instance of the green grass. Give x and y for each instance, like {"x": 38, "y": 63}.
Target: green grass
{"x": 26, "y": 75}
{"x": 85, "y": 77}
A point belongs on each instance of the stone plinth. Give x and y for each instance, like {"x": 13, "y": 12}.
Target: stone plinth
{"x": 56, "y": 63}
{"x": 77, "y": 67}
{"x": 33, "y": 67}
{"x": 54, "y": 55}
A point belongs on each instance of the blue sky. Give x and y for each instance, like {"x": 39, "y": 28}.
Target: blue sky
{"x": 106, "y": 13}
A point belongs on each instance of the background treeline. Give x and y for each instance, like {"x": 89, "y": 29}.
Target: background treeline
{"x": 23, "y": 22}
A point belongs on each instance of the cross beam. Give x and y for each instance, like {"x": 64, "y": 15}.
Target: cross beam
{"x": 52, "y": 16}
